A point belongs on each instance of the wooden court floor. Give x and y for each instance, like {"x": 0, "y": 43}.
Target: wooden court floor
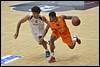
{"x": 86, "y": 54}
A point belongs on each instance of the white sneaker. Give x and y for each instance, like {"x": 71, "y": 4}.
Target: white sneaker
{"x": 77, "y": 39}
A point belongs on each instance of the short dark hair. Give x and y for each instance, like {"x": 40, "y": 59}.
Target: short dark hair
{"x": 36, "y": 9}
{"x": 52, "y": 14}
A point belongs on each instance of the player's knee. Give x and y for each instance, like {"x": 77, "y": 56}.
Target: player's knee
{"x": 71, "y": 47}
{"x": 42, "y": 42}
{"x": 51, "y": 42}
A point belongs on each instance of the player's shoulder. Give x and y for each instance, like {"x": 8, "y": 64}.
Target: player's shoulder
{"x": 61, "y": 17}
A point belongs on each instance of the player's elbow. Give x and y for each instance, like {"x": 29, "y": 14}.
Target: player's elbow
{"x": 21, "y": 21}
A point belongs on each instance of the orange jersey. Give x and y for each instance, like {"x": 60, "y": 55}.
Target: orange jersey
{"x": 60, "y": 28}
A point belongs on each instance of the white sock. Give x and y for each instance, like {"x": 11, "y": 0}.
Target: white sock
{"x": 52, "y": 53}
{"x": 74, "y": 38}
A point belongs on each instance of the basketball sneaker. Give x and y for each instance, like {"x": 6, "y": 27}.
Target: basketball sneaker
{"x": 77, "y": 39}
{"x": 51, "y": 59}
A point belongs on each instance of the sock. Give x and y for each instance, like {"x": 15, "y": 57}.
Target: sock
{"x": 74, "y": 38}
{"x": 52, "y": 53}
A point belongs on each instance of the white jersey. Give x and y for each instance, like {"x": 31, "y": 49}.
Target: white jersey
{"x": 37, "y": 27}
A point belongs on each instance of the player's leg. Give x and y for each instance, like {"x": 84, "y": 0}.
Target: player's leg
{"x": 71, "y": 42}
{"x": 52, "y": 48}
{"x": 53, "y": 38}
{"x": 68, "y": 40}
{"x": 75, "y": 39}
{"x": 44, "y": 44}
{"x": 51, "y": 43}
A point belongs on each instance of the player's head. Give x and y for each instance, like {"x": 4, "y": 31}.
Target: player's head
{"x": 36, "y": 10}
{"x": 52, "y": 16}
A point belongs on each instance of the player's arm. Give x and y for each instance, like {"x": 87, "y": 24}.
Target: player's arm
{"x": 46, "y": 30}
{"x": 19, "y": 25}
{"x": 68, "y": 17}
{"x": 47, "y": 26}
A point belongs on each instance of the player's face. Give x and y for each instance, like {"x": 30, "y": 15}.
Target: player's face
{"x": 52, "y": 18}
{"x": 35, "y": 14}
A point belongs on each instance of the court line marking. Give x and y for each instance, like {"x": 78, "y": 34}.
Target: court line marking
{"x": 9, "y": 58}
{"x": 22, "y": 33}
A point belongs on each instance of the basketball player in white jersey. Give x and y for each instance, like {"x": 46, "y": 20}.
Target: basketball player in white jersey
{"x": 37, "y": 26}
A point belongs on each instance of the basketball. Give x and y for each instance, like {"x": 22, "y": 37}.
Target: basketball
{"x": 75, "y": 21}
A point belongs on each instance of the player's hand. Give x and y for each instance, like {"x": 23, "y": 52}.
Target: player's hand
{"x": 15, "y": 35}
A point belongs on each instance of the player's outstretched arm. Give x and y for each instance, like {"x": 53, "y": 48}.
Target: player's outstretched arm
{"x": 45, "y": 31}
{"x": 68, "y": 17}
{"x": 19, "y": 24}
{"x": 47, "y": 26}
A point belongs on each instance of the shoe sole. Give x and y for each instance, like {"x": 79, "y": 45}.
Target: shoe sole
{"x": 52, "y": 60}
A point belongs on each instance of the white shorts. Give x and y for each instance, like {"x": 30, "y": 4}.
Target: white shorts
{"x": 37, "y": 37}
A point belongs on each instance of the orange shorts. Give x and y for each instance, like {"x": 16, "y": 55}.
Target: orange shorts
{"x": 66, "y": 37}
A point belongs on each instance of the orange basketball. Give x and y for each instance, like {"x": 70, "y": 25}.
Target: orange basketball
{"x": 75, "y": 21}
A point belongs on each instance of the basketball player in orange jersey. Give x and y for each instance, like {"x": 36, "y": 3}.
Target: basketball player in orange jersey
{"x": 60, "y": 29}
{"x": 36, "y": 22}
